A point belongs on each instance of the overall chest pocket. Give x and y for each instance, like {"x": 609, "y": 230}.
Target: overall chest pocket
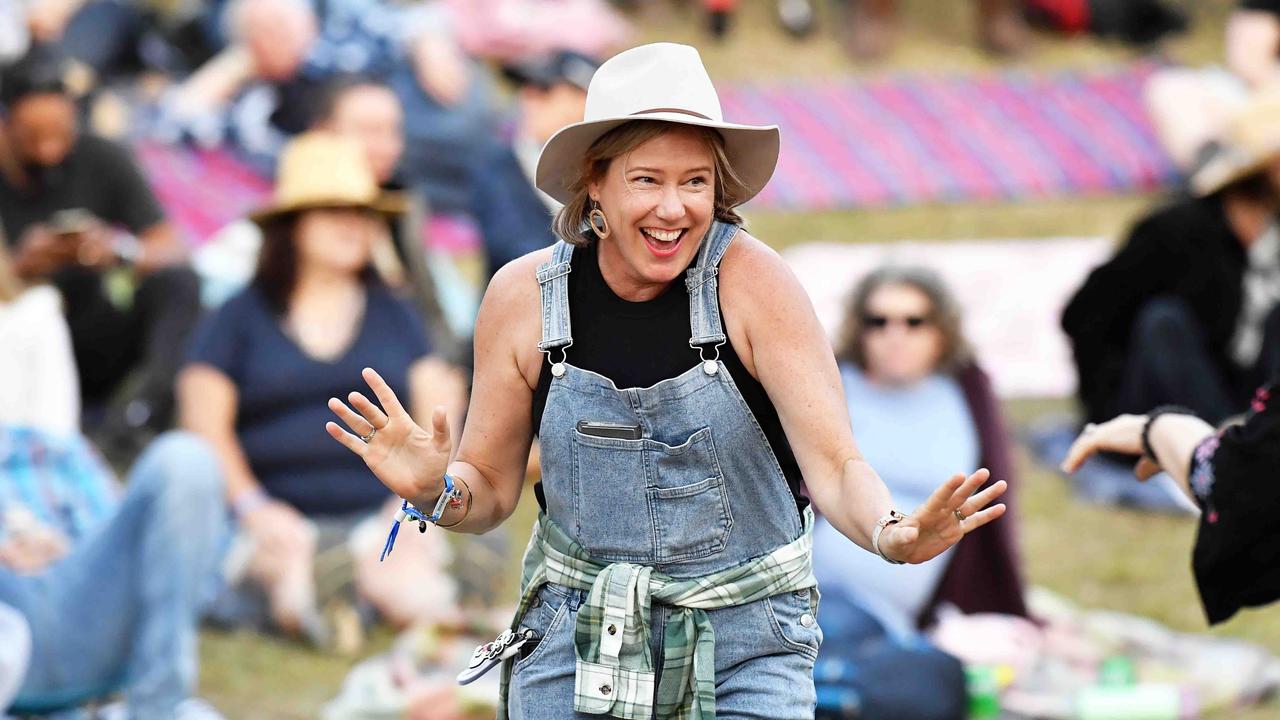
{"x": 649, "y": 502}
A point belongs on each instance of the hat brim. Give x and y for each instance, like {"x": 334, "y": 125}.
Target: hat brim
{"x": 1219, "y": 173}
{"x": 388, "y": 203}
{"x": 752, "y": 150}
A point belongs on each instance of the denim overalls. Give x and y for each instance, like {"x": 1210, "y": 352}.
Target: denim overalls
{"x": 699, "y": 492}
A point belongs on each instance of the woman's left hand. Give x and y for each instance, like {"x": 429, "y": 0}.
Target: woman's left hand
{"x": 949, "y": 514}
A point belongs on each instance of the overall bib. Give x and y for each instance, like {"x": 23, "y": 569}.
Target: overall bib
{"x": 699, "y": 494}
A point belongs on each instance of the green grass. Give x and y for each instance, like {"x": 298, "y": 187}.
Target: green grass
{"x": 1097, "y": 557}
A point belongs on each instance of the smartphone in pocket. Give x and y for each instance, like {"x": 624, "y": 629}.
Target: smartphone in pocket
{"x": 618, "y": 431}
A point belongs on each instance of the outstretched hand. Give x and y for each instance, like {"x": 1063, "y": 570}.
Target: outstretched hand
{"x": 408, "y": 459}
{"x": 937, "y": 524}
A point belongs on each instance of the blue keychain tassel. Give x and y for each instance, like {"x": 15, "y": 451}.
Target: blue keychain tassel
{"x": 405, "y": 512}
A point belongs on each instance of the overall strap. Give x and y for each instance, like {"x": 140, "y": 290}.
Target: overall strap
{"x": 704, "y": 298}
{"x": 553, "y": 281}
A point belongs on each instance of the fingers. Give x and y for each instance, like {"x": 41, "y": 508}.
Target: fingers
{"x": 984, "y": 498}
{"x": 940, "y": 497}
{"x": 1146, "y": 469}
{"x": 1082, "y": 449}
{"x": 358, "y": 424}
{"x": 372, "y": 413}
{"x": 978, "y": 519}
{"x": 967, "y": 488}
{"x": 349, "y": 441}
{"x": 383, "y": 392}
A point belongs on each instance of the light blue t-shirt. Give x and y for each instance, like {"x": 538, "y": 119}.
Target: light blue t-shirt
{"x": 915, "y": 437}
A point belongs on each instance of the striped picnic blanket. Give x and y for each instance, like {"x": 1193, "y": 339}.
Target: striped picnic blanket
{"x": 918, "y": 138}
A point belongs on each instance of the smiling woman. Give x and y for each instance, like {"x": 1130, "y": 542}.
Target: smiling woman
{"x": 677, "y": 413}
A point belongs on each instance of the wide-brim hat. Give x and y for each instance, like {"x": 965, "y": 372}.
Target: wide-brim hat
{"x": 660, "y": 81}
{"x": 325, "y": 170}
{"x": 1249, "y": 143}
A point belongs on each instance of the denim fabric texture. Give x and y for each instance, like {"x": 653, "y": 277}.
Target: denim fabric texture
{"x": 699, "y": 492}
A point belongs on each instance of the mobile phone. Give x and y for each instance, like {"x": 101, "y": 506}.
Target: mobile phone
{"x": 70, "y": 222}
{"x": 619, "y": 431}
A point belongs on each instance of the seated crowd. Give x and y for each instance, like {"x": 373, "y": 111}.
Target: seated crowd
{"x": 372, "y": 118}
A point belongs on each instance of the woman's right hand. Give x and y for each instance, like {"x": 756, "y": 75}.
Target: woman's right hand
{"x": 408, "y": 459}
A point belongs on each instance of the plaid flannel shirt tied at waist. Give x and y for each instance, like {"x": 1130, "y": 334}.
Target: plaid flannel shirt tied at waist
{"x": 615, "y": 673}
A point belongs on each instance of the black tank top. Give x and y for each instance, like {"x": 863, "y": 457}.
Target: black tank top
{"x": 638, "y": 344}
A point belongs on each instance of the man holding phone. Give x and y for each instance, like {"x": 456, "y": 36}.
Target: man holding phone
{"x": 73, "y": 206}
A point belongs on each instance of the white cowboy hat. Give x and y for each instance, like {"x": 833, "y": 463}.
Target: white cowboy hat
{"x": 660, "y": 81}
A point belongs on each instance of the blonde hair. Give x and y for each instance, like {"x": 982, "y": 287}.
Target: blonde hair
{"x": 571, "y": 221}
{"x": 944, "y": 311}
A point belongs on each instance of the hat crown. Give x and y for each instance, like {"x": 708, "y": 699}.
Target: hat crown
{"x": 657, "y": 77}
{"x": 322, "y": 168}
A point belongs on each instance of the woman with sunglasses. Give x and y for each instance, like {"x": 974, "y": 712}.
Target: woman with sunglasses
{"x": 919, "y": 403}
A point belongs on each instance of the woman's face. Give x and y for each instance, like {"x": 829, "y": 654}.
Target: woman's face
{"x": 659, "y": 200}
{"x": 337, "y": 239}
{"x": 901, "y": 340}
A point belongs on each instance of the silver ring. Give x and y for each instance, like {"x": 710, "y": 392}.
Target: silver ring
{"x": 367, "y": 438}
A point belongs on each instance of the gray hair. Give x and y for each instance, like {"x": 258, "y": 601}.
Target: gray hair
{"x": 234, "y": 17}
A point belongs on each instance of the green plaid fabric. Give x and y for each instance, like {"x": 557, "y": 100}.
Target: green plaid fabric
{"x": 615, "y": 673}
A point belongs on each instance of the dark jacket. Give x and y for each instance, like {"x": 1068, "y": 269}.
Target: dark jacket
{"x": 513, "y": 219}
{"x": 1237, "y": 552}
{"x": 985, "y": 571}
{"x": 1185, "y": 250}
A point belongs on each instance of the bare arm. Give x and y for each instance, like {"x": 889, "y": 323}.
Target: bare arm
{"x": 215, "y": 83}
{"x": 791, "y": 357}
{"x": 1173, "y": 437}
{"x": 160, "y": 248}
{"x": 207, "y": 402}
{"x": 775, "y": 331}
{"x": 490, "y": 459}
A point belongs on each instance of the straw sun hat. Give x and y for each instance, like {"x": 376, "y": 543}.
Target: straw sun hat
{"x": 324, "y": 170}
{"x": 661, "y": 81}
{"x": 1250, "y": 142}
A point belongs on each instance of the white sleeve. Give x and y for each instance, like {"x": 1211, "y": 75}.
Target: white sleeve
{"x": 46, "y": 389}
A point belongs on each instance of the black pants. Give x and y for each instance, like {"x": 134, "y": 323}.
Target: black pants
{"x": 1171, "y": 362}
{"x": 144, "y": 342}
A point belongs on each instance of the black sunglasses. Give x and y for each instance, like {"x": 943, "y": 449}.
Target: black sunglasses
{"x": 880, "y": 322}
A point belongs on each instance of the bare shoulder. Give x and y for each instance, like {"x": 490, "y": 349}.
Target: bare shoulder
{"x": 508, "y": 325}
{"x": 517, "y": 280}
{"x": 752, "y": 274}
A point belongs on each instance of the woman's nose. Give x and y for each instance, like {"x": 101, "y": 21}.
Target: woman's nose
{"x": 671, "y": 206}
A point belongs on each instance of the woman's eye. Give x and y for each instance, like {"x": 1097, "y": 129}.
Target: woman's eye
{"x": 698, "y": 181}
{"x": 643, "y": 179}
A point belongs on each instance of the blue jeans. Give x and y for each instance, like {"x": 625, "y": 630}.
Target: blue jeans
{"x": 121, "y": 610}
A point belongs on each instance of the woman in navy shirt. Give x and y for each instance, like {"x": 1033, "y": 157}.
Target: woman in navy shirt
{"x": 263, "y": 366}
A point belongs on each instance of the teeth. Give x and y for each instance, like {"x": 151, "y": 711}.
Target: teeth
{"x": 663, "y": 235}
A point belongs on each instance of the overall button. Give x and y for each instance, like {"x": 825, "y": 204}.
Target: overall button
{"x": 710, "y": 367}
{"x": 806, "y": 620}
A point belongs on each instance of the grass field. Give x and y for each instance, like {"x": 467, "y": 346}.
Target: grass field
{"x": 1097, "y": 557}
